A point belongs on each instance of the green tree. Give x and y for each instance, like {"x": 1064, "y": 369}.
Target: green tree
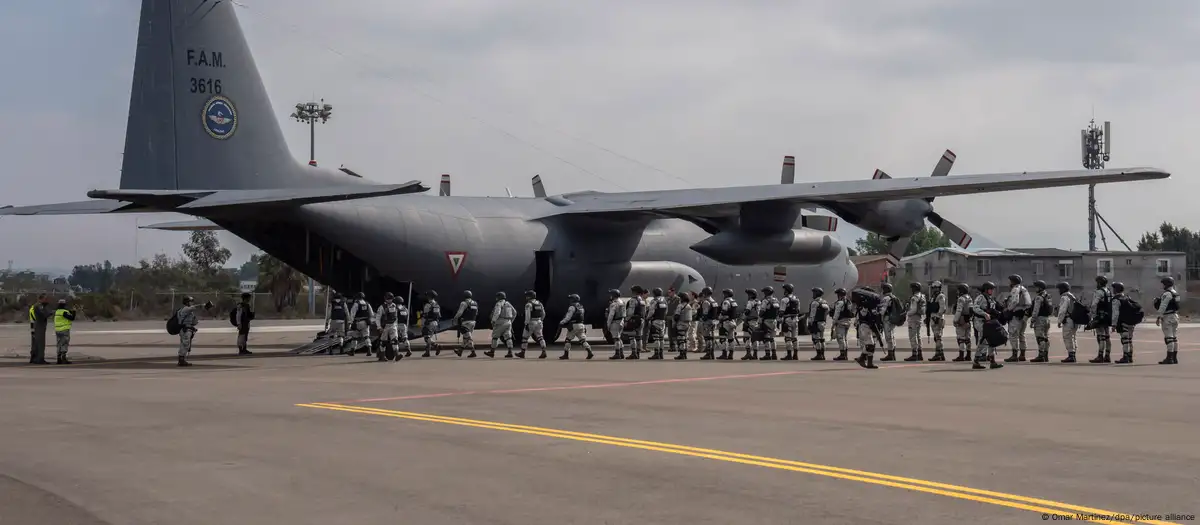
{"x": 1170, "y": 238}
{"x": 283, "y": 282}
{"x": 925, "y": 239}
{"x": 249, "y": 269}
{"x": 205, "y": 251}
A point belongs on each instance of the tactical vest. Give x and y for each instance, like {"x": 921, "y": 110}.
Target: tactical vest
{"x": 433, "y": 310}
{"x": 712, "y": 308}
{"x": 933, "y": 306}
{"x": 792, "y": 308}
{"x": 639, "y": 308}
{"x": 771, "y": 309}
{"x": 61, "y": 323}
{"x": 752, "y": 307}
{"x": 991, "y": 307}
{"x": 402, "y": 312}
{"x": 337, "y": 311}
{"x": 1045, "y": 310}
{"x": 618, "y": 310}
{"x": 1172, "y": 305}
{"x": 471, "y": 311}
{"x": 389, "y": 314}
{"x": 507, "y": 312}
{"x": 660, "y": 310}
{"x": 822, "y": 312}
{"x": 362, "y": 311}
{"x": 577, "y": 317}
{"x": 846, "y": 312}
{"x": 536, "y": 310}
{"x": 728, "y": 309}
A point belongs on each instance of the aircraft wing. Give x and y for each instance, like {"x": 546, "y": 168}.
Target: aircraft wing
{"x": 196, "y": 202}
{"x": 699, "y": 204}
{"x": 183, "y": 226}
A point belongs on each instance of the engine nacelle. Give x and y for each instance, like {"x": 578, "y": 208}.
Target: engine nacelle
{"x": 887, "y": 218}
{"x": 740, "y": 248}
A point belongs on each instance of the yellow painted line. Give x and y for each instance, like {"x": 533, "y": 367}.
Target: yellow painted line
{"x": 942, "y": 489}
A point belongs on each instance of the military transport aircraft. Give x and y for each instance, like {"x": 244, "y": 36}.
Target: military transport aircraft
{"x": 202, "y": 139}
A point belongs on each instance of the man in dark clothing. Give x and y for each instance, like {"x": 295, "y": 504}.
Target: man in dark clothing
{"x": 672, "y": 309}
{"x": 39, "y": 317}
{"x": 243, "y": 314}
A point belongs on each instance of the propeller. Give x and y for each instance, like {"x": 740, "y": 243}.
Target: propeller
{"x": 813, "y": 222}
{"x": 444, "y": 189}
{"x": 957, "y": 235}
{"x": 539, "y": 190}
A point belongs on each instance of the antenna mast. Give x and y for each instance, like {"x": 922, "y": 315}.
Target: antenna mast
{"x": 1096, "y": 147}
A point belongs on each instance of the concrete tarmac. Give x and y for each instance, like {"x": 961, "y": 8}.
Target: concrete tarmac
{"x": 333, "y": 439}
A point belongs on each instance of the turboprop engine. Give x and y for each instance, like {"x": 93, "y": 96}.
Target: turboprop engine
{"x": 741, "y": 248}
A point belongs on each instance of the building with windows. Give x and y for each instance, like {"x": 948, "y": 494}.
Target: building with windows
{"x": 1140, "y": 272}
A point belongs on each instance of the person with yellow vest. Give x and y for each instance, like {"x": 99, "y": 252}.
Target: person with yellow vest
{"x": 39, "y": 316}
{"x": 62, "y": 330}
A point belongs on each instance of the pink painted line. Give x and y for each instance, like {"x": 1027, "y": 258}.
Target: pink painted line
{"x": 609, "y": 385}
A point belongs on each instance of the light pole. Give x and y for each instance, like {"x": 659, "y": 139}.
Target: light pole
{"x": 309, "y": 113}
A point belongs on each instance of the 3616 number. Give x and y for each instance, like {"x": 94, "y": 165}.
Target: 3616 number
{"x": 206, "y": 85}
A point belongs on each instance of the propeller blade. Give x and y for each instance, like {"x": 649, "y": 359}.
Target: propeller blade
{"x": 820, "y": 222}
{"x": 789, "y": 170}
{"x": 943, "y": 167}
{"x": 879, "y": 174}
{"x": 539, "y": 190}
{"x": 897, "y": 248}
{"x": 952, "y": 231}
{"x": 444, "y": 189}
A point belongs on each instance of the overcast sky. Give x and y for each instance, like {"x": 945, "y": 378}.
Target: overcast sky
{"x": 618, "y": 96}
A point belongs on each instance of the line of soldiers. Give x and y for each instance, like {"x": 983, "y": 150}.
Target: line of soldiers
{"x": 653, "y": 322}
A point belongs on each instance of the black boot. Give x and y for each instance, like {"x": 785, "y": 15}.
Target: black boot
{"x": 566, "y": 354}
{"x": 1107, "y": 357}
{"x": 633, "y": 354}
{"x": 1012, "y": 358}
{"x": 707, "y": 355}
{"x": 655, "y": 356}
{"x": 472, "y": 353}
{"x": 490, "y": 353}
{"x": 458, "y": 352}
{"x": 993, "y": 364}
{"x": 976, "y": 365}
{"x": 1069, "y": 359}
{"x": 962, "y": 356}
{"x": 619, "y": 354}
{"x": 820, "y": 355}
{"x": 1170, "y": 360}
{"x": 509, "y": 355}
{"x": 938, "y": 355}
{"x": 1125, "y": 359}
{"x": 521, "y": 354}
{"x": 866, "y": 361}
{"x": 183, "y": 362}
{"x": 426, "y": 354}
{"x": 1022, "y": 356}
{"x": 1098, "y": 359}
{"x": 244, "y": 351}
{"x": 543, "y": 354}
{"x": 913, "y": 356}
{"x": 727, "y": 356}
{"x": 746, "y": 356}
{"x": 891, "y": 356}
{"x": 682, "y": 355}
{"x": 589, "y": 351}
{"x": 841, "y": 356}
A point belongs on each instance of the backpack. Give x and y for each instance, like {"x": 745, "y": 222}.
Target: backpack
{"x": 1079, "y": 313}
{"x": 173, "y": 325}
{"x": 1131, "y": 312}
{"x": 865, "y": 298}
{"x": 233, "y": 316}
{"x": 1172, "y": 305}
{"x": 895, "y": 314}
{"x": 1045, "y": 310}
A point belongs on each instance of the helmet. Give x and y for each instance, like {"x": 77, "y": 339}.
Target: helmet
{"x": 246, "y": 295}
{"x": 1064, "y": 287}
{"x": 400, "y": 300}
{"x": 361, "y": 295}
{"x": 530, "y": 294}
{"x": 788, "y": 288}
{"x": 816, "y": 291}
{"x": 658, "y": 292}
{"x": 1101, "y": 280}
{"x": 62, "y": 302}
{"x": 840, "y": 292}
{"x": 987, "y": 286}
{"x": 706, "y": 291}
{"x": 683, "y": 298}
{"x": 767, "y": 290}
{"x": 886, "y": 287}
{"x": 1039, "y": 284}
{"x": 614, "y": 293}
{"x": 751, "y": 293}
{"x": 500, "y": 296}
{"x": 467, "y": 294}
{"x": 963, "y": 289}
{"x": 635, "y": 289}
{"x": 1014, "y": 279}
{"x": 388, "y": 296}
{"x": 573, "y": 298}
{"x": 337, "y": 296}
{"x": 432, "y": 294}
{"x": 1167, "y": 282}
{"x": 727, "y": 292}
{"x": 1118, "y": 287}
{"x": 935, "y": 285}
{"x": 915, "y": 286}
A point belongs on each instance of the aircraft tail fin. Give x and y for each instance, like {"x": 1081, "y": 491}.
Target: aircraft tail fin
{"x": 199, "y": 115}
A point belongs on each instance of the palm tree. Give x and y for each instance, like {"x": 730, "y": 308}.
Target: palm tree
{"x": 282, "y": 281}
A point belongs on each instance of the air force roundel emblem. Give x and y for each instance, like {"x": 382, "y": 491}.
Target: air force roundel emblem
{"x": 219, "y": 117}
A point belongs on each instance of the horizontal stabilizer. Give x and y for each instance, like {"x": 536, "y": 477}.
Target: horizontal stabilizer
{"x": 77, "y": 208}
{"x": 184, "y": 226}
{"x": 820, "y": 222}
{"x": 301, "y": 196}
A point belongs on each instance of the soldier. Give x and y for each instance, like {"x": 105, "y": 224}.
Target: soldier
{"x": 657, "y": 309}
{"x": 614, "y": 319}
{"x": 818, "y": 315}
{"x": 769, "y": 327}
{"x": 243, "y": 313}
{"x": 391, "y": 318}
{"x": 673, "y": 300}
{"x": 987, "y": 314}
{"x": 728, "y": 319}
{"x": 709, "y": 322}
{"x": 187, "y": 327}
{"x": 1167, "y": 307}
{"x": 934, "y": 320}
{"x": 1042, "y": 310}
{"x": 870, "y": 322}
{"x": 362, "y": 314}
{"x": 887, "y": 305}
{"x": 635, "y": 320}
{"x": 1126, "y": 315}
{"x": 962, "y": 322}
{"x": 39, "y": 319}
{"x": 682, "y": 320}
{"x": 917, "y": 304}
{"x": 464, "y": 318}
{"x": 693, "y": 335}
{"x": 577, "y": 331}
{"x": 431, "y": 316}
{"x": 1070, "y": 328}
{"x": 751, "y": 317}
{"x": 503, "y": 315}
{"x": 843, "y": 315}
{"x": 1017, "y": 310}
{"x": 790, "y": 304}
{"x": 535, "y": 318}
{"x": 63, "y": 317}
{"x": 1102, "y": 320}
{"x": 335, "y": 323}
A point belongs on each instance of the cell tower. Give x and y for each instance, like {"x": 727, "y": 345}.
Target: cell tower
{"x": 1096, "y": 146}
